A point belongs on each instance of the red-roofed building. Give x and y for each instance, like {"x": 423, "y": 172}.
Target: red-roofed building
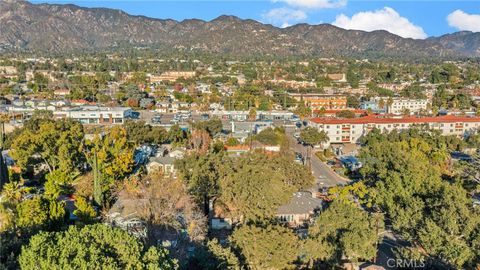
{"x": 350, "y": 130}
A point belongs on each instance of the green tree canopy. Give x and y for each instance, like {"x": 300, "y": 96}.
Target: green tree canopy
{"x": 312, "y": 136}
{"x": 56, "y": 144}
{"x": 40, "y": 213}
{"x": 91, "y": 247}
{"x": 268, "y": 247}
{"x": 343, "y": 230}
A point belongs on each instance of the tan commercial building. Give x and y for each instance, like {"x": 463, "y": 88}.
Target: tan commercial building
{"x": 318, "y": 101}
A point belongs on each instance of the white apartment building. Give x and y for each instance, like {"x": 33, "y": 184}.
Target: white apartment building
{"x": 95, "y": 115}
{"x": 350, "y": 130}
{"x": 400, "y": 105}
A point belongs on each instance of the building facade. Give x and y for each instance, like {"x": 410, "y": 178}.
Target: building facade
{"x": 351, "y": 130}
{"x": 318, "y": 101}
{"x": 95, "y": 115}
{"x": 401, "y": 105}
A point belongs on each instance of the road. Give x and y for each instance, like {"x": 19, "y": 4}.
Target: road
{"x": 324, "y": 175}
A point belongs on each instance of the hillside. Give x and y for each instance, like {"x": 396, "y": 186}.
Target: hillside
{"x": 69, "y": 28}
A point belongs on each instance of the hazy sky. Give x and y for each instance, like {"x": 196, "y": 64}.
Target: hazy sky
{"x": 416, "y": 19}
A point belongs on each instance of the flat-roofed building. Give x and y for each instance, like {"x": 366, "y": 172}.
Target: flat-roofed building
{"x": 172, "y": 76}
{"x": 350, "y": 130}
{"x": 318, "y": 101}
{"x": 95, "y": 115}
{"x": 403, "y": 105}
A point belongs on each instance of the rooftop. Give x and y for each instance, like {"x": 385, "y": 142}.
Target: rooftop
{"x": 375, "y": 119}
{"x": 301, "y": 203}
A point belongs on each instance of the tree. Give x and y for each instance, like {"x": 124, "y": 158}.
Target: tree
{"x": 269, "y": 136}
{"x": 268, "y": 247}
{"x": 200, "y": 141}
{"x": 111, "y": 157}
{"x": 406, "y": 171}
{"x": 201, "y": 174}
{"x": 252, "y": 114}
{"x": 232, "y": 141}
{"x": 252, "y": 180}
{"x": 58, "y": 183}
{"x": 214, "y": 257}
{"x": 311, "y": 136}
{"x": 139, "y": 133}
{"x": 92, "y": 247}
{"x": 353, "y": 102}
{"x": 56, "y": 144}
{"x": 84, "y": 210}
{"x": 167, "y": 204}
{"x": 176, "y": 135}
{"x": 352, "y": 235}
{"x": 225, "y": 257}
{"x": 40, "y": 213}
{"x": 345, "y": 114}
{"x": 212, "y": 126}
{"x": 303, "y": 111}
{"x": 234, "y": 183}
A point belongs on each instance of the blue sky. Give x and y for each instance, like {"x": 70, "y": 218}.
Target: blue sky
{"x": 416, "y": 19}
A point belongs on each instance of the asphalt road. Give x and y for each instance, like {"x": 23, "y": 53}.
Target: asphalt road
{"x": 324, "y": 175}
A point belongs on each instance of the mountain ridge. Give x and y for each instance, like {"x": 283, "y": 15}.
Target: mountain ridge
{"x": 68, "y": 28}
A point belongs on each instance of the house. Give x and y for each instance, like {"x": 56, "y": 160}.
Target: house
{"x": 217, "y": 219}
{"x": 300, "y": 209}
{"x": 163, "y": 165}
{"x": 125, "y": 214}
{"x": 177, "y": 153}
{"x": 146, "y": 103}
{"x": 254, "y": 127}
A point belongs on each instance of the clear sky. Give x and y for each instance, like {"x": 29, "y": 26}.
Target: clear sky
{"x": 407, "y": 18}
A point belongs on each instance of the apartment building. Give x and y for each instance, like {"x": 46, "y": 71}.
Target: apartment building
{"x": 318, "y": 101}
{"x": 402, "y": 105}
{"x": 350, "y": 130}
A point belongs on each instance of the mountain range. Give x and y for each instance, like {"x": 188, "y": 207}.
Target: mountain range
{"x": 68, "y": 28}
